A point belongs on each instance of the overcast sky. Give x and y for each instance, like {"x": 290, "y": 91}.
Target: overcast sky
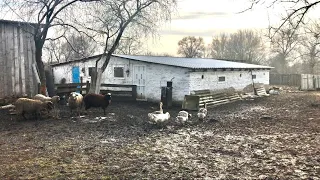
{"x": 207, "y": 18}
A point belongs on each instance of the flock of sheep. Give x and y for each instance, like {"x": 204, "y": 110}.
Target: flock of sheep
{"x": 41, "y": 104}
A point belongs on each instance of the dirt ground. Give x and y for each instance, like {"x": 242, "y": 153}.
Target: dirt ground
{"x": 276, "y": 137}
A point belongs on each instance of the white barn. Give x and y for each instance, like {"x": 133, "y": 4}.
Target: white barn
{"x": 150, "y": 73}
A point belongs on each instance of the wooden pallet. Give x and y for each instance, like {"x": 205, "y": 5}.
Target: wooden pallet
{"x": 218, "y": 99}
{"x": 197, "y": 100}
{"x": 261, "y": 91}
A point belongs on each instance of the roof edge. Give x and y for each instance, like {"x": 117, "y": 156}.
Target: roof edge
{"x": 18, "y": 22}
{"x": 119, "y": 56}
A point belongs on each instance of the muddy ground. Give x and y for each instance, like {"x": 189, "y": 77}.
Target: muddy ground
{"x": 276, "y": 137}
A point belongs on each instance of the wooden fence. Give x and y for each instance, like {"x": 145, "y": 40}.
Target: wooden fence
{"x": 120, "y": 92}
{"x": 303, "y": 81}
{"x": 285, "y": 79}
{"x": 310, "y": 82}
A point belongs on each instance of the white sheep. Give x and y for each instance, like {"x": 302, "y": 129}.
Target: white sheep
{"x": 54, "y": 99}
{"x": 75, "y": 102}
{"x": 41, "y": 97}
{"x": 26, "y": 105}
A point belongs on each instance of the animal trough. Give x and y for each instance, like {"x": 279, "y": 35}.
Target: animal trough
{"x": 196, "y": 101}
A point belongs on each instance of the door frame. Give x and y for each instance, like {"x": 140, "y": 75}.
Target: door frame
{"x": 145, "y": 78}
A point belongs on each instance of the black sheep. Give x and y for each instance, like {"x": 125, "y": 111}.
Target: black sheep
{"x": 97, "y": 100}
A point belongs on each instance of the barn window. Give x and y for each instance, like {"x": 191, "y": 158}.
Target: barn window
{"x": 91, "y": 70}
{"x": 118, "y": 72}
{"x": 254, "y": 76}
{"x": 222, "y": 78}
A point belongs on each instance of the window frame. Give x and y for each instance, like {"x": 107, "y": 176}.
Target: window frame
{"x": 224, "y": 79}
{"x": 90, "y": 70}
{"x": 123, "y": 72}
{"x": 254, "y": 76}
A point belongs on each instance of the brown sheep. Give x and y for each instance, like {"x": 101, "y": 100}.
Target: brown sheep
{"x": 97, "y": 100}
{"x": 26, "y": 105}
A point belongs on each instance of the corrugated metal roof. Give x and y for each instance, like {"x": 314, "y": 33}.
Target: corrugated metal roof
{"x": 194, "y": 63}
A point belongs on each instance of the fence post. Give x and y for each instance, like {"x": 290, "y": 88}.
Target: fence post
{"x": 81, "y": 80}
{"x": 87, "y": 87}
{"x": 134, "y": 92}
{"x": 39, "y": 88}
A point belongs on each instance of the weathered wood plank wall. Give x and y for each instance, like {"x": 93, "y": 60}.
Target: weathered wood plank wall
{"x": 16, "y": 59}
{"x": 285, "y": 79}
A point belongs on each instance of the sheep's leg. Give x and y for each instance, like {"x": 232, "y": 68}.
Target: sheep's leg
{"x": 71, "y": 113}
{"x": 23, "y": 115}
{"x": 78, "y": 109}
{"x": 38, "y": 116}
{"x": 104, "y": 110}
{"x": 57, "y": 113}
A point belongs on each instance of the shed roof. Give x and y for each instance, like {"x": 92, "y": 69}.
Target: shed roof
{"x": 16, "y": 22}
{"x": 192, "y": 63}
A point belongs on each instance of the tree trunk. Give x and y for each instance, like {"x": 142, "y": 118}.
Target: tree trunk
{"x": 43, "y": 87}
{"x": 96, "y": 81}
{"x": 93, "y": 82}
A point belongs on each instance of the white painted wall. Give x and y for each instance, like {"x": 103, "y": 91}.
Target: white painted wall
{"x": 236, "y": 79}
{"x": 157, "y": 75}
{"x": 65, "y": 71}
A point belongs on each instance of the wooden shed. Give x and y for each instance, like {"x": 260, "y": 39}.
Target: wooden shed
{"x": 18, "y": 74}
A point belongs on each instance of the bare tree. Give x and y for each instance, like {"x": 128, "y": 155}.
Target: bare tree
{"x": 244, "y": 45}
{"x": 284, "y": 46}
{"x": 191, "y": 47}
{"x": 218, "y": 47}
{"x": 111, "y": 18}
{"x": 131, "y": 45}
{"x": 77, "y": 47}
{"x": 69, "y": 48}
{"x": 296, "y": 11}
{"x": 52, "y": 52}
{"x": 46, "y": 15}
{"x": 310, "y": 43}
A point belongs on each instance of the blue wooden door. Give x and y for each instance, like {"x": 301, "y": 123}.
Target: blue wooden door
{"x": 76, "y": 75}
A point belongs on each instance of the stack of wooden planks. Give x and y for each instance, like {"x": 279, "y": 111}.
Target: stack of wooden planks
{"x": 216, "y": 99}
{"x": 199, "y": 98}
